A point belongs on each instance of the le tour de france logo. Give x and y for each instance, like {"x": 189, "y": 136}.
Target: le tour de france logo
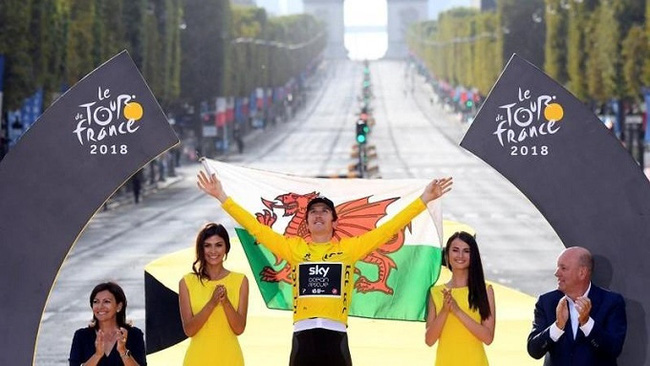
{"x": 522, "y": 124}
{"x": 100, "y": 122}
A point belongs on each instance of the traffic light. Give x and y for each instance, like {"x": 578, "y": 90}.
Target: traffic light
{"x": 469, "y": 103}
{"x": 362, "y": 132}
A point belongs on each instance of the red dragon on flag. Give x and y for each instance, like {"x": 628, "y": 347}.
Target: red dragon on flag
{"x": 355, "y": 217}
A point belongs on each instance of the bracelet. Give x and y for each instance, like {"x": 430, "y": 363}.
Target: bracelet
{"x": 126, "y": 354}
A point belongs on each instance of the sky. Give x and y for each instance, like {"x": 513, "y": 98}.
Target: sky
{"x": 372, "y": 13}
{"x": 365, "y": 12}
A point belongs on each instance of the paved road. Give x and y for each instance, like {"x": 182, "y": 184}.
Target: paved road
{"x": 414, "y": 137}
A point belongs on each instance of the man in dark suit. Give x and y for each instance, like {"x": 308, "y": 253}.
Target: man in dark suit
{"x": 579, "y": 324}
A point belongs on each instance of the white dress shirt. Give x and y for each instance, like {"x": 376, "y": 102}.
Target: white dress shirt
{"x": 555, "y": 332}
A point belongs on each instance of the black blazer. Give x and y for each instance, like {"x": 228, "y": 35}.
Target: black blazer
{"x": 83, "y": 347}
{"x": 600, "y": 348}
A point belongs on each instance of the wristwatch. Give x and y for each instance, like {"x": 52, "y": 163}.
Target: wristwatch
{"x": 126, "y": 354}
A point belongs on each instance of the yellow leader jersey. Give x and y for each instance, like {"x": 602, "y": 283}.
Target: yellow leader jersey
{"x": 323, "y": 273}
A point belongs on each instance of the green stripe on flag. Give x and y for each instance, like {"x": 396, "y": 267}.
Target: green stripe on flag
{"x": 418, "y": 267}
{"x": 276, "y": 295}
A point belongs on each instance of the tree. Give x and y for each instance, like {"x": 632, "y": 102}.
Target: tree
{"x": 245, "y": 73}
{"x": 487, "y": 59}
{"x": 153, "y": 63}
{"x": 172, "y": 19}
{"x": 48, "y": 47}
{"x": 110, "y": 30}
{"x": 455, "y": 41}
{"x": 523, "y": 29}
{"x": 161, "y": 57}
{"x": 646, "y": 63}
{"x": 15, "y": 44}
{"x": 555, "y": 60}
{"x": 79, "y": 56}
{"x": 577, "y": 45}
{"x": 460, "y": 48}
{"x": 603, "y": 53}
{"x": 634, "y": 52}
{"x": 134, "y": 29}
{"x": 203, "y": 43}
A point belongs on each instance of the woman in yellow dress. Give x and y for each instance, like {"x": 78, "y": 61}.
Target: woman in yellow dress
{"x": 213, "y": 303}
{"x": 461, "y": 312}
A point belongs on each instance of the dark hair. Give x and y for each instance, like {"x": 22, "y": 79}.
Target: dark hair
{"x": 118, "y": 293}
{"x": 477, "y": 297}
{"x": 209, "y": 230}
{"x": 326, "y": 201}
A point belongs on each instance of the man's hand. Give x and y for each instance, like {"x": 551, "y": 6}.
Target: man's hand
{"x": 561, "y": 313}
{"x": 436, "y": 189}
{"x": 211, "y": 185}
{"x": 583, "y": 305}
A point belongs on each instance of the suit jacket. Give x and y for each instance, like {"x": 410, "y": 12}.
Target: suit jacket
{"x": 600, "y": 348}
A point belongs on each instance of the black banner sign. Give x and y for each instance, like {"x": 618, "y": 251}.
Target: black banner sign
{"x": 579, "y": 176}
{"x": 80, "y": 151}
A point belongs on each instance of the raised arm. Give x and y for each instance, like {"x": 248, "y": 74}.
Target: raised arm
{"x": 274, "y": 241}
{"x": 373, "y": 239}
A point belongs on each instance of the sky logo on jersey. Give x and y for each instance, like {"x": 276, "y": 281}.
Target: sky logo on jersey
{"x": 319, "y": 279}
{"x": 318, "y": 271}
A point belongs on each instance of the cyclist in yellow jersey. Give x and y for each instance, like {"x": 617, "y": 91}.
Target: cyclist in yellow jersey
{"x": 322, "y": 269}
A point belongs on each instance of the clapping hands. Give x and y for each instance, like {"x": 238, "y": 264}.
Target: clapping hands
{"x": 220, "y": 294}
{"x": 449, "y": 304}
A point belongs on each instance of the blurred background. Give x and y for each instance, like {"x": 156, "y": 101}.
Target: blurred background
{"x": 321, "y": 88}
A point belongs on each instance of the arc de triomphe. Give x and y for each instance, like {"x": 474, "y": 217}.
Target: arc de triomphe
{"x": 401, "y": 13}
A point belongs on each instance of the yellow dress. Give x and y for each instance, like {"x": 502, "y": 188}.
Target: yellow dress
{"x": 215, "y": 343}
{"x": 457, "y": 346}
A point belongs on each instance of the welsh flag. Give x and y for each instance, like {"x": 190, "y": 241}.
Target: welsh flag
{"x": 390, "y": 283}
